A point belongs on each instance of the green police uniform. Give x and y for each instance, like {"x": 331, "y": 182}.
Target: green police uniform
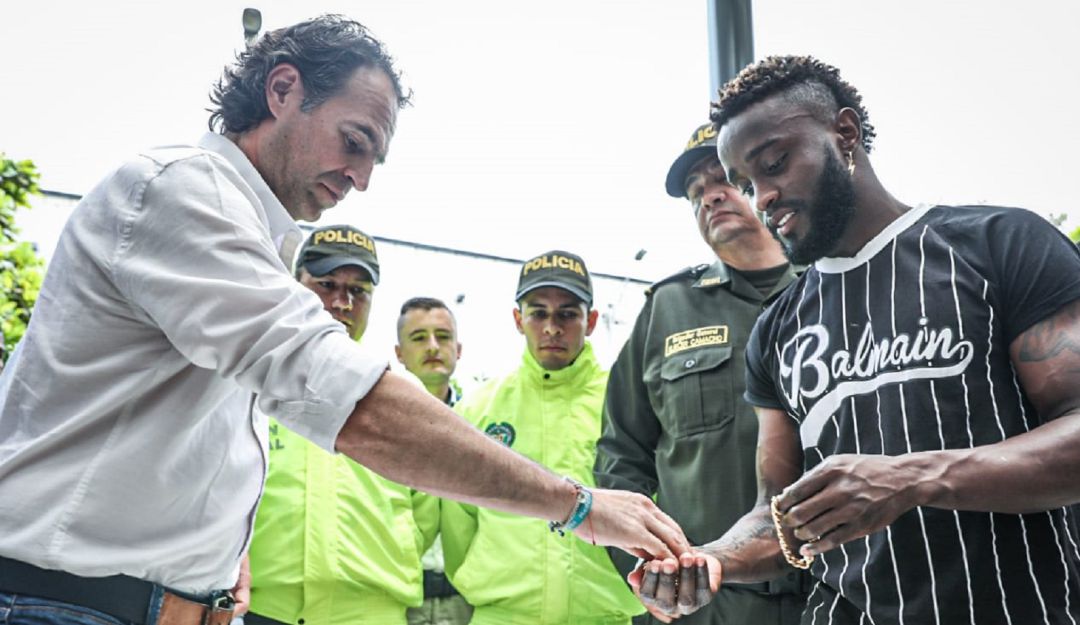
{"x": 676, "y": 426}
{"x": 512, "y": 568}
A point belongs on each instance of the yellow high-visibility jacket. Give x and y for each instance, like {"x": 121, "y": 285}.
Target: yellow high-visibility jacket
{"x": 512, "y": 568}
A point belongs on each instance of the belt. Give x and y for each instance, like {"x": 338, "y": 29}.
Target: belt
{"x": 126, "y": 598}
{"x": 437, "y": 586}
{"x": 793, "y": 583}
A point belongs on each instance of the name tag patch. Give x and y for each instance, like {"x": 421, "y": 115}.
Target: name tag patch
{"x": 698, "y": 337}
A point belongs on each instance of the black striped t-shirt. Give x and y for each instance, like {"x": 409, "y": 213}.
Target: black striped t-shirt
{"x": 904, "y": 348}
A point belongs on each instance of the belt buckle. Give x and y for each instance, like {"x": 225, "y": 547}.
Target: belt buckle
{"x": 222, "y": 601}
{"x": 220, "y": 604}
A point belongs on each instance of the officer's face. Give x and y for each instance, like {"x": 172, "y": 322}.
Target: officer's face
{"x": 313, "y": 158}
{"x": 346, "y": 294}
{"x": 723, "y": 214}
{"x": 428, "y": 346}
{"x": 555, "y": 323}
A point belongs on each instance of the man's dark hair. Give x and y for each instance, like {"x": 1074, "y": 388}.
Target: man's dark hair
{"x": 803, "y": 80}
{"x": 326, "y": 50}
{"x": 423, "y": 303}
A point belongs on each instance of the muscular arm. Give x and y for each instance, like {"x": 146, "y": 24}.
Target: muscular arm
{"x": 1036, "y": 470}
{"x": 849, "y": 496}
{"x": 403, "y": 433}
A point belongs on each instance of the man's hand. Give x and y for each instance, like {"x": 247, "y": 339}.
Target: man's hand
{"x": 847, "y": 497}
{"x": 242, "y": 590}
{"x": 672, "y": 588}
{"x": 633, "y": 523}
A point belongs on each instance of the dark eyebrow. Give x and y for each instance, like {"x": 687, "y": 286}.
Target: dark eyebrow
{"x": 759, "y": 149}
{"x": 733, "y": 174}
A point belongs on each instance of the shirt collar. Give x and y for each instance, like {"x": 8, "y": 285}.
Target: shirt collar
{"x": 283, "y": 230}
{"x": 584, "y": 362}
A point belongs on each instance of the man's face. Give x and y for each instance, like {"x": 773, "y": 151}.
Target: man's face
{"x": 555, "y": 323}
{"x": 346, "y": 294}
{"x": 722, "y": 211}
{"x": 786, "y": 160}
{"x": 428, "y": 346}
{"x": 313, "y": 158}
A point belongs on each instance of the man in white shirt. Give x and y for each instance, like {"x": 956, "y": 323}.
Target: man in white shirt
{"x": 131, "y": 460}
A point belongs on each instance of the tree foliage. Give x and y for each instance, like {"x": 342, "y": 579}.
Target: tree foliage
{"x": 21, "y": 269}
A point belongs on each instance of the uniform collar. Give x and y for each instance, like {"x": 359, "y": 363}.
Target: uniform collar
{"x": 283, "y": 230}
{"x": 582, "y": 366}
{"x": 716, "y": 275}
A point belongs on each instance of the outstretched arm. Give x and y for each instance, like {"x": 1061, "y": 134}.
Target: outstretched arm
{"x": 403, "y": 433}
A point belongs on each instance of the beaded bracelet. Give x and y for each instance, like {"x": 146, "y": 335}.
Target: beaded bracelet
{"x": 582, "y": 507}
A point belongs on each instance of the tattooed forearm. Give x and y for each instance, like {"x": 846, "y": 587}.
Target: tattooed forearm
{"x": 750, "y": 533}
{"x": 749, "y": 551}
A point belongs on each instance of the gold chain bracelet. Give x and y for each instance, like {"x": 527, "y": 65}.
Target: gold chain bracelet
{"x": 802, "y": 562}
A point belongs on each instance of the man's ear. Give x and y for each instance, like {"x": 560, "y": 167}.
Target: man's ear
{"x": 593, "y": 316}
{"x": 517, "y": 321}
{"x": 284, "y": 89}
{"x": 848, "y": 129}
{"x": 397, "y": 352}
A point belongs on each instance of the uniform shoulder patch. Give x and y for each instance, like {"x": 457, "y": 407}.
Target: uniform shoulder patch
{"x": 502, "y": 432}
{"x": 691, "y": 273}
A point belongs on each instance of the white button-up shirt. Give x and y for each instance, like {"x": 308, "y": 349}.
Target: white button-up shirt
{"x": 128, "y": 439}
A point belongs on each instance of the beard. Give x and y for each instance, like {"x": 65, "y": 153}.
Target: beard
{"x": 828, "y": 215}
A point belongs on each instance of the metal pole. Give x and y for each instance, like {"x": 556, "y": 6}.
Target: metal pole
{"x": 731, "y": 40}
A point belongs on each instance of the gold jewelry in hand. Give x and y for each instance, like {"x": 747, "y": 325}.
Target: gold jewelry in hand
{"x": 801, "y": 562}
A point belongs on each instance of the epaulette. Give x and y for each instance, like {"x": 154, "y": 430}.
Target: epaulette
{"x": 690, "y": 272}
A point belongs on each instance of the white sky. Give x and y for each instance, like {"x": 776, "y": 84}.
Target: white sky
{"x": 540, "y": 125}
{"x": 551, "y": 124}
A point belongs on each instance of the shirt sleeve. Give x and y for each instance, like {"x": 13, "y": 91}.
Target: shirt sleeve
{"x": 195, "y": 259}
{"x": 1036, "y": 266}
{"x": 626, "y": 449}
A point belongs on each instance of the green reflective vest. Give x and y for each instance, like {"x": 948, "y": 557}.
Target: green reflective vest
{"x": 512, "y": 568}
{"x": 334, "y": 542}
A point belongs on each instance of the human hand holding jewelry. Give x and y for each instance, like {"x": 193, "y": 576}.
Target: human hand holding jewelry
{"x": 849, "y": 496}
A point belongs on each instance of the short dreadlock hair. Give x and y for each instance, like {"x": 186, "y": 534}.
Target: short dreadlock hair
{"x": 803, "y": 80}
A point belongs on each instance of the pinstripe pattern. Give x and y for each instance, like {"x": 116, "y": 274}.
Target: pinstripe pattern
{"x": 904, "y": 348}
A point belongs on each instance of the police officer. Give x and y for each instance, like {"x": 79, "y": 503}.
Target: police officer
{"x": 334, "y": 542}
{"x": 514, "y": 570}
{"x": 675, "y": 423}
